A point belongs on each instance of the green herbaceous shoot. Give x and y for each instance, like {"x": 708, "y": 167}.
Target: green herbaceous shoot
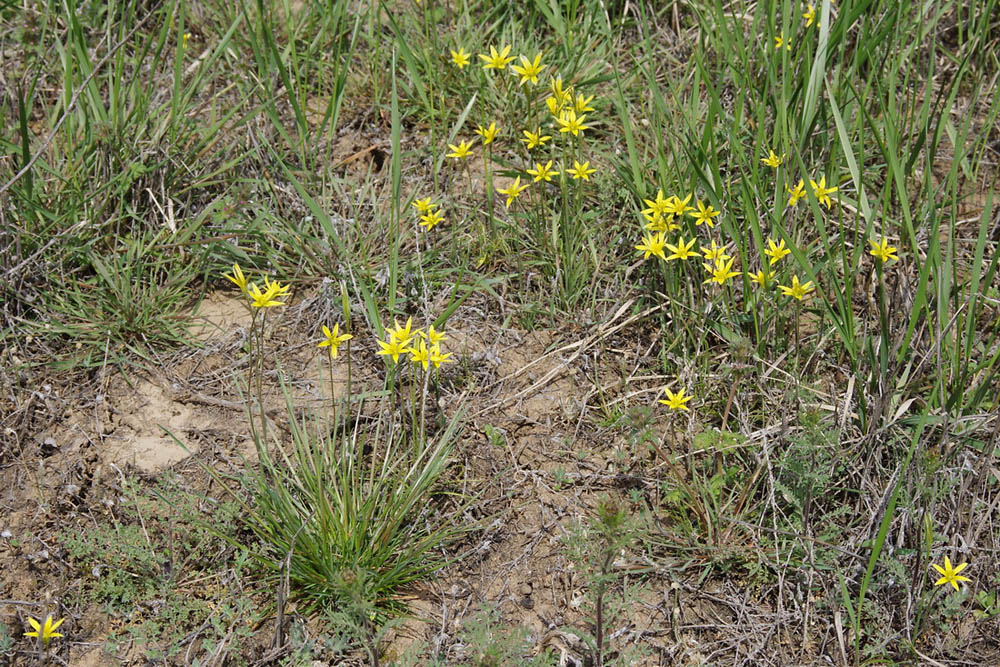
{"x": 450, "y": 333}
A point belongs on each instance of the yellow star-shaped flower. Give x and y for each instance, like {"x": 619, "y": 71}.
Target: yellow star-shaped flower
{"x": 333, "y": 339}
{"x": 882, "y": 250}
{"x": 496, "y": 60}
{"x": 529, "y": 70}
{"x": 949, "y": 574}
{"x": 676, "y": 401}
{"x": 460, "y": 58}
{"x": 797, "y": 291}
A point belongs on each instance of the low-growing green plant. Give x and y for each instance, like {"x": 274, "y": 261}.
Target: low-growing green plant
{"x": 595, "y": 547}
{"x": 138, "y": 566}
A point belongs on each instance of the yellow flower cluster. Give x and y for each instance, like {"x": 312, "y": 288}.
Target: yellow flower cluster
{"x": 429, "y": 217}
{"x": 258, "y": 298}
{"x": 423, "y": 347}
{"x": 568, "y": 116}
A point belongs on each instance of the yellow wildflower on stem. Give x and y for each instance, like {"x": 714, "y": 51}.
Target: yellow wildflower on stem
{"x": 882, "y": 250}
{"x": 780, "y": 41}
{"x": 678, "y": 206}
{"x": 437, "y": 357}
{"x": 762, "y": 278}
{"x": 237, "y": 278}
{"x": 582, "y": 104}
{"x": 772, "y": 160}
{"x": 776, "y": 251}
{"x": 822, "y": 192}
{"x": 652, "y": 244}
{"x": 47, "y": 631}
{"x": 424, "y": 205}
{"x": 430, "y": 219}
{"x": 809, "y": 15}
{"x": 433, "y": 336}
{"x": 488, "y": 133}
{"x": 419, "y": 354}
{"x": 264, "y": 299}
{"x": 704, "y": 214}
{"x": 402, "y": 335}
{"x": 581, "y": 171}
{"x": 676, "y": 401}
{"x": 796, "y": 193}
{"x": 460, "y": 58}
{"x": 682, "y": 251}
{"x": 715, "y": 253}
{"x": 529, "y": 70}
{"x": 543, "y": 172}
{"x": 462, "y": 150}
{"x": 659, "y": 205}
{"x": 949, "y": 574}
{"x": 392, "y": 349}
{"x": 496, "y": 60}
{"x": 570, "y": 122}
{"x": 796, "y": 290}
{"x": 721, "y": 272}
{"x": 513, "y": 191}
{"x": 333, "y": 339}
{"x": 535, "y": 139}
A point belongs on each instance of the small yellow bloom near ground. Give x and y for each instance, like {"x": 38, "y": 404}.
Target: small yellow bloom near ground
{"x": 433, "y": 336}
{"x": 570, "y": 122}
{"x": 678, "y": 206}
{"x": 529, "y": 70}
{"x": 47, "y": 631}
{"x": 704, "y": 214}
{"x": 402, "y": 335}
{"x": 780, "y": 41}
{"x": 660, "y": 205}
{"x": 424, "y": 205}
{"x": 652, "y": 244}
{"x": 721, "y": 272}
{"x": 676, "y": 401}
{"x": 809, "y": 15}
{"x": 682, "y": 251}
{"x": 461, "y": 150}
{"x": 393, "y": 349}
{"x": 513, "y": 191}
{"x": 535, "y": 139}
{"x": 797, "y": 291}
{"x": 238, "y": 278}
{"x": 581, "y": 170}
{"x": 460, "y": 58}
{"x": 762, "y": 278}
{"x": 437, "y": 357}
{"x": 776, "y": 251}
{"x": 419, "y": 354}
{"x": 488, "y": 133}
{"x": 562, "y": 96}
{"x": 431, "y": 218}
{"x": 333, "y": 339}
{"x": 583, "y": 103}
{"x": 658, "y": 223}
{"x": 496, "y": 60}
{"x": 882, "y": 250}
{"x": 949, "y": 574}
{"x": 822, "y": 192}
{"x": 797, "y": 193}
{"x": 543, "y": 172}
{"x": 276, "y": 287}
{"x": 716, "y": 253}
{"x": 265, "y": 299}
{"x": 772, "y": 160}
